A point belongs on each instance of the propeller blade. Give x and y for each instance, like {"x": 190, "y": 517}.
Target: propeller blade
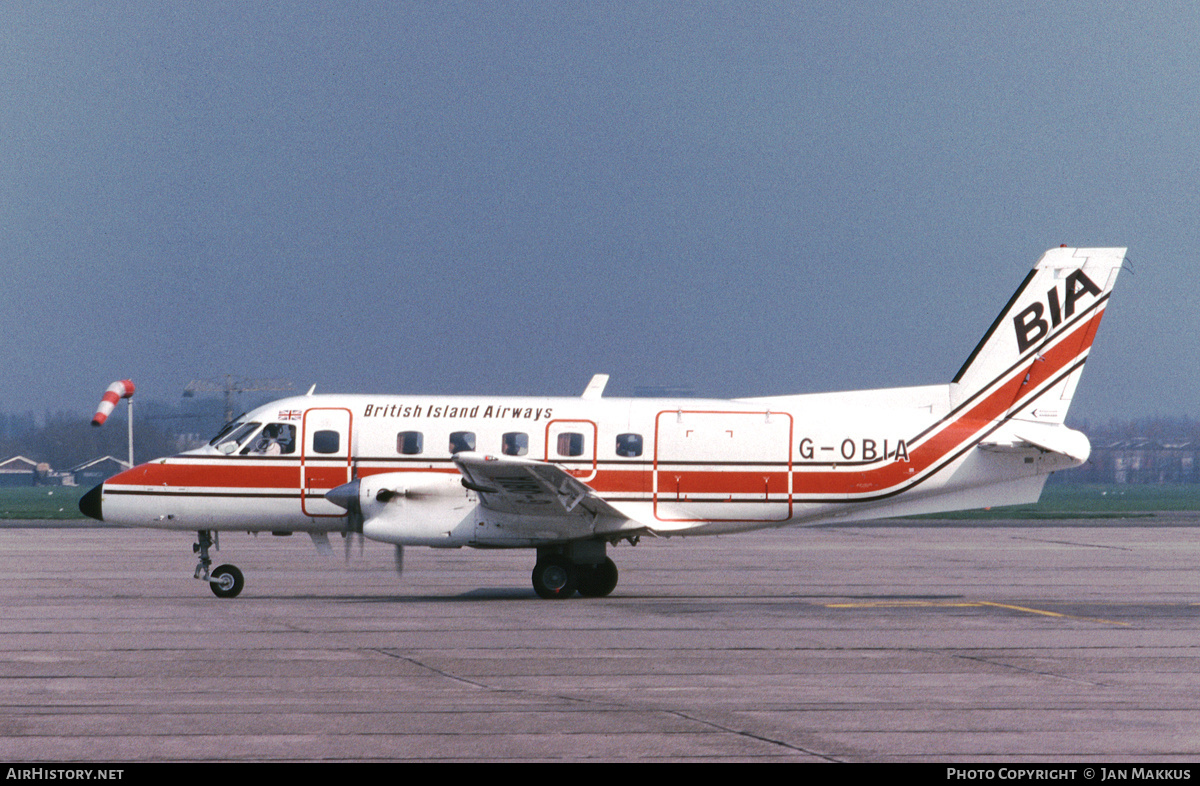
{"x": 346, "y": 496}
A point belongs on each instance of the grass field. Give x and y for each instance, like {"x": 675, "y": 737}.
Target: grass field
{"x": 1060, "y": 500}
{"x": 1087, "y": 500}
{"x": 41, "y": 502}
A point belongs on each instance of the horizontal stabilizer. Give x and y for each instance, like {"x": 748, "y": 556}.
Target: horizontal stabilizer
{"x": 1043, "y": 436}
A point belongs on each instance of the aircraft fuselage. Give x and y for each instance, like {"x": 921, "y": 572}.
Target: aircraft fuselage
{"x": 673, "y": 466}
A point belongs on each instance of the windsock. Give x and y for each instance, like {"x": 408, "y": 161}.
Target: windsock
{"x": 116, "y": 391}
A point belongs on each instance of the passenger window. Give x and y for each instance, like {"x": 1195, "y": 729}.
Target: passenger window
{"x": 276, "y": 439}
{"x": 515, "y": 443}
{"x": 326, "y": 442}
{"x": 462, "y": 440}
{"x": 629, "y": 445}
{"x": 570, "y": 444}
{"x": 409, "y": 443}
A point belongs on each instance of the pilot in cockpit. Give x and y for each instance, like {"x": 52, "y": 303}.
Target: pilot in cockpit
{"x": 276, "y": 439}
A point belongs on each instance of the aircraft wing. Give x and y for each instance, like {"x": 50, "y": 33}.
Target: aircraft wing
{"x": 530, "y": 488}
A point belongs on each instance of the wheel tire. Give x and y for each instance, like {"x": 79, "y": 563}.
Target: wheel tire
{"x": 597, "y": 581}
{"x": 229, "y": 582}
{"x": 555, "y": 578}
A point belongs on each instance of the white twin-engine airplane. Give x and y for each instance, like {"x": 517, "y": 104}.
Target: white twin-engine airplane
{"x": 571, "y": 476}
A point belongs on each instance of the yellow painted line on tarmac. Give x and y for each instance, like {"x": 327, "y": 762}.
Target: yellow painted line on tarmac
{"x": 967, "y": 604}
{"x": 1052, "y": 613}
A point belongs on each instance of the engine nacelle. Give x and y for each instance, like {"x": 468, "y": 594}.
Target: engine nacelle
{"x": 417, "y": 508}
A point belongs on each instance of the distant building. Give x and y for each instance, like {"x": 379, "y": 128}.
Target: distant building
{"x": 19, "y": 471}
{"x": 98, "y": 470}
{"x": 1140, "y": 461}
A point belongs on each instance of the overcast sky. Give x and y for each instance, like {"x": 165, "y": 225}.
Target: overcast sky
{"x": 505, "y": 198}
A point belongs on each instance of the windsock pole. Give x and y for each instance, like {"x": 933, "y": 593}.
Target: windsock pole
{"x": 116, "y": 391}
{"x": 129, "y": 405}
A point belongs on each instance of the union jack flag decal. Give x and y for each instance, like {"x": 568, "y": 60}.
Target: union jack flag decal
{"x": 289, "y": 414}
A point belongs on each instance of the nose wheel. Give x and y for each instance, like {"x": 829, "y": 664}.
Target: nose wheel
{"x": 226, "y": 581}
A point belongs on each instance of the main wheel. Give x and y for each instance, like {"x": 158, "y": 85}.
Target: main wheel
{"x": 229, "y": 582}
{"x": 597, "y": 581}
{"x": 555, "y": 578}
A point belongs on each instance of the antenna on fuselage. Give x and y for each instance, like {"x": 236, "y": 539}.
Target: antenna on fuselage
{"x": 595, "y": 388}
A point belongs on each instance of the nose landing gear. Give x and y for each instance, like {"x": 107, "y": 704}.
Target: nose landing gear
{"x": 226, "y": 581}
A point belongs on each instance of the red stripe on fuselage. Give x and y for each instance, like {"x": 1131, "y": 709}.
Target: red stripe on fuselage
{"x": 226, "y": 474}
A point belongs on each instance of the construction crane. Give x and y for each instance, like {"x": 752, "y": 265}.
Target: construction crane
{"x": 230, "y": 384}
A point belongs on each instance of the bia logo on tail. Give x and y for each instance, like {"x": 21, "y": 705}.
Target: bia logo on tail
{"x": 1031, "y": 325}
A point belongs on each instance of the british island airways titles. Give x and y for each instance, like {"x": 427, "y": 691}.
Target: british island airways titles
{"x": 856, "y": 449}
{"x": 451, "y": 411}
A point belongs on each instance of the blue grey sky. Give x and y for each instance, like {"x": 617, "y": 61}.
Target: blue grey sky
{"x": 505, "y": 198}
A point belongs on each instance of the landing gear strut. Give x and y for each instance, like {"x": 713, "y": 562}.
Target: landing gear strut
{"x": 226, "y": 581}
{"x": 577, "y": 567}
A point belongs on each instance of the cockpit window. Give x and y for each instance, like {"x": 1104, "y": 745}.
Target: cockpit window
{"x": 232, "y": 435}
{"x": 226, "y": 429}
{"x": 276, "y": 439}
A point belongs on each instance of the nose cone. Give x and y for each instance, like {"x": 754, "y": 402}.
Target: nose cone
{"x": 89, "y": 504}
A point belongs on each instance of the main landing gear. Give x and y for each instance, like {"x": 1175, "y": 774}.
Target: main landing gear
{"x": 226, "y": 581}
{"x": 560, "y": 572}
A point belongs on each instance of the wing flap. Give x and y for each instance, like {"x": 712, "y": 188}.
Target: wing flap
{"x": 530, "y": 488}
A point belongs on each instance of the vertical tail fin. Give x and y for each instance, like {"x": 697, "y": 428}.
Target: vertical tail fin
{"x": 1033, "y": 354}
